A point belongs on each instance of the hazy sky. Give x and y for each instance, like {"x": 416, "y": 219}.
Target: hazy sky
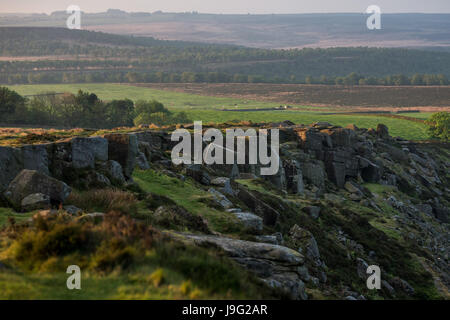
{"x": 228, "y": 6}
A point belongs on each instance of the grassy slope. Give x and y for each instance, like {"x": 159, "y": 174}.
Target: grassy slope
{"x": 207, "y": 108}
{"x": 188, "y": 196}
{"x": 182, "y": 276}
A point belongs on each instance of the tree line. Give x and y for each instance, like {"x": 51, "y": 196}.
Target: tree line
{"x": 83, "y": 110}
{"x": 98, "y": 57}
{"x": 351, "y": 79}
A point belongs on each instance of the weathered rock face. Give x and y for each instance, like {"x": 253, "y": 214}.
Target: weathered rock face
{"x": 10, "y": 165}
{"x": 294, "y": 176}
{"x": 313, "y": 139}
{"x": 29, "y": 182}
{"x": 60, "y": 160}
{"x": 344, "y": 152}
{"x": 35, "y": 157}
{"x": 260, "y": 208}
{"x": 77, "y": 161}
{"x": 156, "y": 140}
{"x": 123, "y": 148}
{"x": 141, "y": 161}
{"x": 113, "y": 171}
{"x": 86, "y": 151}
{"x": 341, "y": 137}
{"x": 278, "y": 179}
{"x": 250, "y": 221}
{"x": 276, "y": 265}
{"x": 13, "y": 160}
{"x": 314, "y": 173}
{"x": 95, "y": 180}
{"x": 224, "y": 185}
{"x": 306, "y": 242}
{"x": 220, "y": 199}
{"x": 198, "y": 173}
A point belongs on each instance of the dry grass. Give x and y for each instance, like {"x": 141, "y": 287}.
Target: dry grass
{"x": 104, "y": 200}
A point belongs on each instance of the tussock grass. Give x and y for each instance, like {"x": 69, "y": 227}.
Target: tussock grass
{"x": 104, "y": 200}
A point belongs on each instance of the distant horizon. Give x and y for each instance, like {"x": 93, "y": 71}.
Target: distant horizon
{"x": 255, "y": 7}
{"x": 218, "y": 13}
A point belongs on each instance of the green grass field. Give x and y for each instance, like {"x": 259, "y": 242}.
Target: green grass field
{"x": 208, "y": 109}
{"x": 170, "y": 99}
{"x": 418, "y": 115}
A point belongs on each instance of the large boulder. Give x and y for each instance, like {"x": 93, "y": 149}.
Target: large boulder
{"x": 249, "y": 220}
{"x": 30, "y": 182}
{"x": 276, "y": 265}
{"x": 113, "y": 171}
{"x": 13, "y": 160}
{"x": 396, "y": 154}
{"x": 86, "y": 151}
{"x": 220, "y": 199}
{"x": 142, "y": 162}
{"x": 35, "y": 201}
{"x": 94, "y": 180}
{"x": 224, "y": 184}
{"x": 123, "y": 148}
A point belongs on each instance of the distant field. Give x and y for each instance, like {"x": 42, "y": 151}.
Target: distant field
{"x": 420, "y": 115}
{"x": 170, "y": 99}
{"x": 345, "y": 97}
{"x": 397, "y": 127}
{"x": 208, "y": 108}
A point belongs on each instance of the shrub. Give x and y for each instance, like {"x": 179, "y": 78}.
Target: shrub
{"x": 440, "y": 125}
{"x": 9, "y": 101}
{"x": 113, "y": 253}
{"x": 36, "y": 246}
{"x": 126, "y": 228}
{"x": 116, "y": 242}
{"x": 154, "y": 112}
